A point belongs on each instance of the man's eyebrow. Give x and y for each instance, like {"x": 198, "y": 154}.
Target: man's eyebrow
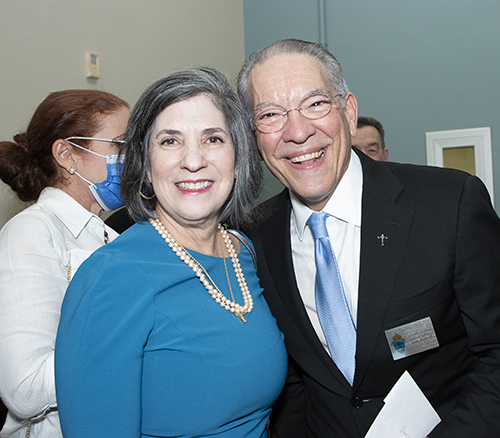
{"x": 264, "y": 105}
{"x": 318, "y": 92}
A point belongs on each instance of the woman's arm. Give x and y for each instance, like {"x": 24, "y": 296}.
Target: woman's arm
{"x": 32, "y": 285}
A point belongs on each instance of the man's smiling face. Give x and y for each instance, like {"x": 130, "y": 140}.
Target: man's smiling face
{"x": 308, "y": 156}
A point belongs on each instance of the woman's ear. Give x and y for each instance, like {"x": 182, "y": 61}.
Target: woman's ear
{"x": 63, "y": 153}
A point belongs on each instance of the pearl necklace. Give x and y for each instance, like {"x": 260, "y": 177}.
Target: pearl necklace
{"x": 181, "y": 252}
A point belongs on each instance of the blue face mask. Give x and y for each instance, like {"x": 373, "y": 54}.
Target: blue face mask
{"x": 107, "y": 192}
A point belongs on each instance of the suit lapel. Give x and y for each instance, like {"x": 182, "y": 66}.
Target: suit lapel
{"x": 280, "y": 263}
{"x": 384, "y": 231}
{"x": 279, "y": 254}
{"x": 279, "y": 259}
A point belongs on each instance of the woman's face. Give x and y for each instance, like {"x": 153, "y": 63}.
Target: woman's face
{"x": 113, "y": 127}
{"x": 192, "y": 162}
{"x": 93, "y": 167}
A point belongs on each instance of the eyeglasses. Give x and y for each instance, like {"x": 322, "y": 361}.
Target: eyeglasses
{"x": 120, "y": 142}
{"x": 272, "y": 120}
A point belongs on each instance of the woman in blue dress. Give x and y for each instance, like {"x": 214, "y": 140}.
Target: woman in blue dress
{"x": 165, "y": 331}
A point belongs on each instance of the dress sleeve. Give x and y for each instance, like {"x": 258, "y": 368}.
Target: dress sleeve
{"x": 106, "y": 318}
{"x": 32, "y": 285}
{"x": 477, "y": 289}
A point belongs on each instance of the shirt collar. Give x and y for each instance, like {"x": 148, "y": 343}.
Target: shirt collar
{"x": 69, "y": 211}
{"x": 344, "y": 204}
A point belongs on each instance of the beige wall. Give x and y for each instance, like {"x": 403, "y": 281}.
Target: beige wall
{"x": 43, "y": 45}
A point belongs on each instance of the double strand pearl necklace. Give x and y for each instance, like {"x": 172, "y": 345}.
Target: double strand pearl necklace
{"x": 181, "y": 252}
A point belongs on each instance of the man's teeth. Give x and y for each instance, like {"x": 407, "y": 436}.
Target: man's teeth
{"x": 307, "y": 157}
{"x": 194, "y": 186}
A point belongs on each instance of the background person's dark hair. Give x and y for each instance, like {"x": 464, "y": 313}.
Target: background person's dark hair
{"x": 27, "y": 164}
{"x": 291, "y": 46}
{"x": 176, "y": 87}
{"x": 370, "y": 121}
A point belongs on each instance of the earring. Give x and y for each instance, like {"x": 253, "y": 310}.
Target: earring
{"x": 147, "y": 197}
{"x": 72, "y": 171}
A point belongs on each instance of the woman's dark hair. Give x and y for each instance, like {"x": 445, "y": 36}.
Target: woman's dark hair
{"x": 27, "y": 164}
{"x": 177, "y": 87}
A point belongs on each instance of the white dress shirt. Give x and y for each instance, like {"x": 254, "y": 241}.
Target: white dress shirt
{"x": 344, "y": 229}
{"x": 40, "y": 249}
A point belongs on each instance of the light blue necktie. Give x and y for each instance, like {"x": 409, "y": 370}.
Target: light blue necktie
{"x": 331, "y": 304}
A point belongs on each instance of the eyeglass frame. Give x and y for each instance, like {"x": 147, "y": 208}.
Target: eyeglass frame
{"x": 120, "y": 142}
{"x": 299, "y": 109}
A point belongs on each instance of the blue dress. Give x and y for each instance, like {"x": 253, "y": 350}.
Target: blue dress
{"x": 144, "y": 351}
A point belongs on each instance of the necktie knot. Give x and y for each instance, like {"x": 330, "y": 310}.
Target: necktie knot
{"x": 317, "y": 223}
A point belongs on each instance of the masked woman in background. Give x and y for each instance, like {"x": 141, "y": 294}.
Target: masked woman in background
{"x": 67, "y": 162}
{"x": 165, "y": 332}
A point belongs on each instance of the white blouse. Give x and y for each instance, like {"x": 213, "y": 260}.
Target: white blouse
{"x": 40, "y": 249}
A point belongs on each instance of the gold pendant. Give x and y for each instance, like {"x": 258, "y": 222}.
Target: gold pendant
{"x": 243, "y": 320}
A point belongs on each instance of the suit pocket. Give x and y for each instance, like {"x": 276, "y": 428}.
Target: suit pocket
{"x": 422, "y": 304}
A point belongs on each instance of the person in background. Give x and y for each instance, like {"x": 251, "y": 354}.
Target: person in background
{"x": 370, "y": 139}
{"x": 66, "y": 161}
{"x": 165, "y": 332}
{"x": 119, "y": 220}
{"x": 370, "y": 268}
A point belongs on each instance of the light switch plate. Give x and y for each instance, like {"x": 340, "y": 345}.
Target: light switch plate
{"x": 93, "y": 65}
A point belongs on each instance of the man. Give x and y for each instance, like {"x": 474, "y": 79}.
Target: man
{"x": 370, "y": 139}
{"x": 417, "y": 248}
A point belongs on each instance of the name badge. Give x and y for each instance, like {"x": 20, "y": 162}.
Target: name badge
{"x": 412, "y": 338}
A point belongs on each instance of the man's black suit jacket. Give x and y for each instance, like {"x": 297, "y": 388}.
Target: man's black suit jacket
{"x": 441, "y": 259}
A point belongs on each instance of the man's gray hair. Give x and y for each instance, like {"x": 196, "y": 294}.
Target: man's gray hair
{"x": 291, "y": 46}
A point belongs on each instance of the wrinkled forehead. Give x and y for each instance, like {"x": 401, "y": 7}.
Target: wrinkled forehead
{"x": 286, "y": 79}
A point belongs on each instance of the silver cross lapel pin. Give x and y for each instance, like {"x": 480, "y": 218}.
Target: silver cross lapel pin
{"x": 382, "y": 238}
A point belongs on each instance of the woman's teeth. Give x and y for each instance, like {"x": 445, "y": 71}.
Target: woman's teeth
{"x": 194, "y": 186}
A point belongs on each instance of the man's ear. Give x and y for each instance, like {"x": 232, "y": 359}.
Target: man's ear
{"x": 351, "y": 112}
{"x": 63, "y": 153}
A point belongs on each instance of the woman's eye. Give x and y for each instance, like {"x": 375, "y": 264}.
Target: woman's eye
{"x": 215, "y": 139}
{"x": 168, "y": 142}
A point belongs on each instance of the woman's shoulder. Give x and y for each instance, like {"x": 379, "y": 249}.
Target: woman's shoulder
{"x": 138, "y": 245}
{"x": 122, "y": 272}
{"x": 138, "y": 236}
{"x": 53, "y": 208}
{"x": 33, "y": 222}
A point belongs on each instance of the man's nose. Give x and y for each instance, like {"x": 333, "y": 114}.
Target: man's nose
{"x": 297, "y": 128}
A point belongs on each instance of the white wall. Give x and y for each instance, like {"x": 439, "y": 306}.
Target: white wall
{"x": 43, "y": 45}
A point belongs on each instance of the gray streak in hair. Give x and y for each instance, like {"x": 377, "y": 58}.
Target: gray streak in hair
{"x": 177, "y": 87}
